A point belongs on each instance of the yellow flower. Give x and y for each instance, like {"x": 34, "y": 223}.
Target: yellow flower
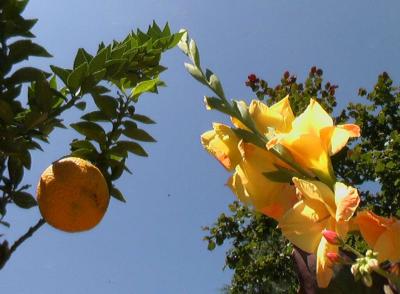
{"x": 222, "y": 143}
{"x": 319, "y": 209}
{"x": 382, "y": 234}
{"x": 252, "y": 187}
{"x": 313, "y": 139}
{"x": 278, "y": 116}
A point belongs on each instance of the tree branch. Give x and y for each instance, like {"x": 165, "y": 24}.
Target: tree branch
{"x": 27, "y": 235}
{"x": 5, "y": 252}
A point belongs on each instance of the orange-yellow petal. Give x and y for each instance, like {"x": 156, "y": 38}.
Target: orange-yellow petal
{"x": 324, "y": 268}
{"x": 222, "y": 143}
{"x": 382, "y": 234}
{"x": 316, "y": 191}
{"x": 251, "y": 186}
{"x": 303, "y": 224}
{"x": 279, "y": 116}
{"x": 334, "y": 138}
{"x": 347, "y": 201}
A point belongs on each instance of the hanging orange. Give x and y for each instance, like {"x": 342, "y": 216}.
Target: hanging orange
{"x": 72, "y": 195}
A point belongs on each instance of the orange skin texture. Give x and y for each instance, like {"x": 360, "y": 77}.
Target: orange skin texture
{"x": 72, "y": 195}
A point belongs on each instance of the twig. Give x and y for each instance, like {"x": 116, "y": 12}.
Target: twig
{"x": 27, "y": 235}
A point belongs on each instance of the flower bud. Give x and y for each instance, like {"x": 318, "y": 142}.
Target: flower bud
{"x": 332, "y": 237}
{"x": 334, "y": 257}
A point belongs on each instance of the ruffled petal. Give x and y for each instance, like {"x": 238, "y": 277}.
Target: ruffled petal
{"x": 303, "y": 224}
{"x": 314, "y": 190}
{"x": 334, "y": 138}
{"x": 222, "y": 143}
{"x": 347, "y": 201}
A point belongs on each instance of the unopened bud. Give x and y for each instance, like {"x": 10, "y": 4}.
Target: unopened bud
{"x": 367, "y": 279}
{"x": 332, "y": 237}
{"x": 334, "y": 257}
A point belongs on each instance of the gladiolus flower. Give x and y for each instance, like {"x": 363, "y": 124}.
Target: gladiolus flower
{"x": 223, "y": 144}
{"x": 278, "y": 117}
{"x": 252, "y": 187}
{"x": 313, "y": 139}
{"x": 382, "y": 234}
{"x": 319, "y": 208}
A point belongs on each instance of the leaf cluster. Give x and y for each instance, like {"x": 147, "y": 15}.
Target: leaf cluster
{"x": 114, "y": 78}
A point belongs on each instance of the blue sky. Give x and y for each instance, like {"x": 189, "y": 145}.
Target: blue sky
{"x": 153, "y": 244}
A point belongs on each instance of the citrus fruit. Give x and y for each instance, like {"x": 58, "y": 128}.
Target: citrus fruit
{"x": 72, "y": 195}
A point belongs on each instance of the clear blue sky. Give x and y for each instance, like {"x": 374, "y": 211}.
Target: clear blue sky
{"x": 153, "y": 244}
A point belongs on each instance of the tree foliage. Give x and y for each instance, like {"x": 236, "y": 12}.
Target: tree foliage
{"x": 114, "y": 77}
{"x": 259, "y": 255}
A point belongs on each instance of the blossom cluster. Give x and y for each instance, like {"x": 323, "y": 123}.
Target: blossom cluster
{"x": 291, "y": 179}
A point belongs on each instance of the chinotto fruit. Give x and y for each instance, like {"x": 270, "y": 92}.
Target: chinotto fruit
{"x": 72, "y": 195}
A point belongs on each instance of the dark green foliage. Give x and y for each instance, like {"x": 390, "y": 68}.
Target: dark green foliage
{"x": 114, "y": 77}
{"x": 255, "y": 241}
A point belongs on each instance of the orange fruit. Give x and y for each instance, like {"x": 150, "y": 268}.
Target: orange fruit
{"x": 72, "y": 195}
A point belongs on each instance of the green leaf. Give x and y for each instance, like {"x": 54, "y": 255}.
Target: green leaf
{"x": 27, "y": 74}
{"x": 143, "y": 119}
{"x": 114, "y": 192}
{"x": 96, "y": 116}
{"x": 23, "y": 199}
{"x": 77, "y": 76}
{"x": 131, "y": 147}
{"x": 196, "y": 73}
{"x": 82, "y": 144}
{"x": 81, "y": 105}
{"x": 81, "y": 57}
{"x": 22, "y": 49}
{"x": 91, "y": 130}
{"x": 15, "y": 170}
{"x": 98, "y": 62}
{"x": 25, "y": 158}
{"x": 62, "y": 73}
{"x": 138, "y": 134}
{"x": 142, "y": 87}
{"x": 194, "y": 53}
{"x": 107, "y": 105}
{"x": 6, "y": 113}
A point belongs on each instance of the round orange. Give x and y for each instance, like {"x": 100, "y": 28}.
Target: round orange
{"x": 72, "y": 195}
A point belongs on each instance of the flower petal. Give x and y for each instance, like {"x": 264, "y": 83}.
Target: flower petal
{"x": 316, "y": 191}
{"x": 251, "y": 186}
{"x": 222, "y": 143}
{"x": 324, "y": 269}
{"x": 347, "y": 201}
{"x": 334, "y": 138}
{"x": 303, "y": 224}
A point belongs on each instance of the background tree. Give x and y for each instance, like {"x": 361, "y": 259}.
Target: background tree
{"x": 259, "y": 256}
{"x": 113, "y": 77}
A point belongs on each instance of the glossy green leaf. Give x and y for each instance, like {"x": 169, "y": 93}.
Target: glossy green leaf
{"x": 22, "y": 49}
{"x": 106, "y": 104}
{"x": 23, "y": 199}
{"x": 91, "y": 130}
{"x": 62, "y": 73}
{"x": 142, "y": 87}
{"x": 27, "y": 74}
{"x": 76, "y": 77}
{"x": 98, "y": 62}
{"x": 114, "y": 192}
{"x": 138, "y": 134}
{"x": 131, "y": 147}
{"x": 143, "y": 119}
{"x": 15, "y": 170}
{"x": 96, "y": 116}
